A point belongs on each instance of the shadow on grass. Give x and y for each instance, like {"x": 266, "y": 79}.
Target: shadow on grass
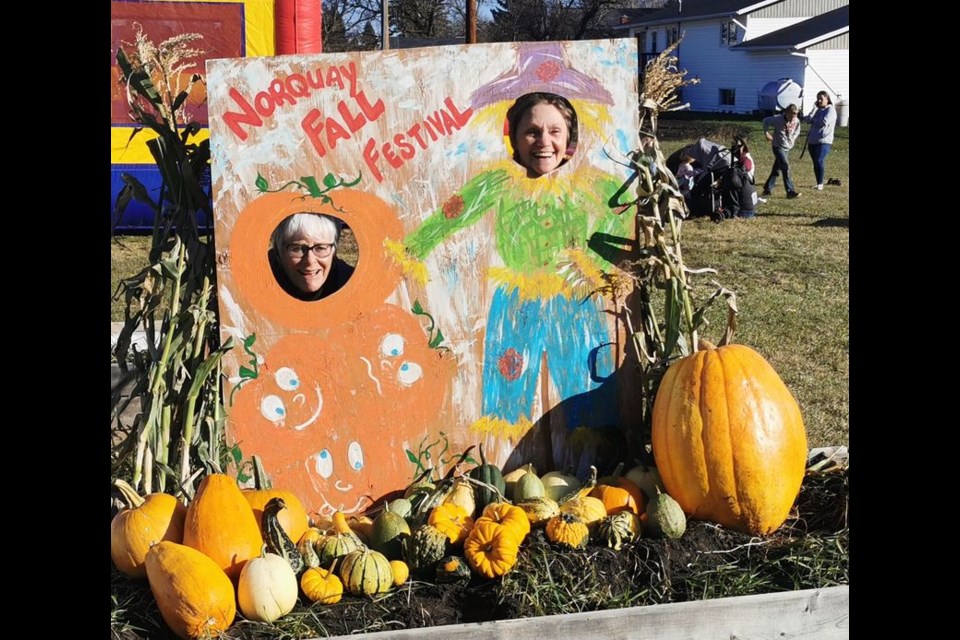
{"x": 832, "y": 222}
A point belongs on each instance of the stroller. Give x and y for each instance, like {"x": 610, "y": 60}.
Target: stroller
{"x": 723, "y": 188}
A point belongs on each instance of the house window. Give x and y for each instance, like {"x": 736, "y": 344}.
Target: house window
{"x": 728, "y": 97}
{"x": 653, "y": 41}
{"x": 728, "y": 33}
{"x": 673, "y": 34}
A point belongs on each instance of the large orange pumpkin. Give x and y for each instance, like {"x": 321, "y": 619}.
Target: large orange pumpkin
{"x": 221, "y": 524}
{"x": 729, "y": 439}
{"x": 194, "y": 595}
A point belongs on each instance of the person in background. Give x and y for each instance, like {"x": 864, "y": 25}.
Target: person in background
{"x": 820, "y": 136}
{"x": 786, "y": 130}
{"x": 303, "y": 256}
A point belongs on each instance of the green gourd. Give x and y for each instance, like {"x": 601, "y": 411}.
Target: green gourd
{"x": 489, "y": 474}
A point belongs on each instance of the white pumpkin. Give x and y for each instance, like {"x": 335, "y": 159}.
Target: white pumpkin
{"x": 557, "y": 484}
{"x": 267, "y": 588}
{"x": 647, "y": 478}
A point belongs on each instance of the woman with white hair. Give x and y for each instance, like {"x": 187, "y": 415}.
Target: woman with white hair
{"x": 303, "y": 256}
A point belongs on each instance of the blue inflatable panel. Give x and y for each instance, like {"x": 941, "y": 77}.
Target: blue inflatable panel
{"x": 138, "y": 216}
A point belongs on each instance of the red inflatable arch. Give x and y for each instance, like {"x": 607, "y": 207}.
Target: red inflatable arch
{"x": 299, "y": 26}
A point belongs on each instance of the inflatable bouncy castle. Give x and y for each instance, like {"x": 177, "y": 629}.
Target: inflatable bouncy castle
{"x": 230, "y": 29}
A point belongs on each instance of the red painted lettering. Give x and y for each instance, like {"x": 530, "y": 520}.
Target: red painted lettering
{"x": 373, "y": 112}
{"x": 264, "y": 104}
{"x": 279, "y": 94}
{"x": 333, "y": 77}
{"x": 414, "y": 132}
{"x": 354, "y": 122}
{"x": 297, "y": 86}
{"x": 249, "y": 116}
{"x": 317, "y": 80}
{"x": 370, "y": 156}
{"x": 335, "y": 131}
{"x": 350, "y": 72}
{"x": 391, "y": 157}
{"x": 312, "y": 125}
{"x": 406, "y": 149}
{"x": 435, "y": 122}
{"x": 459, "y": 119}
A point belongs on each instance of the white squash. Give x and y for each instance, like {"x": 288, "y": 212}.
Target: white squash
{"x": 557, "y": 484}
{"x": 267, "y": 588}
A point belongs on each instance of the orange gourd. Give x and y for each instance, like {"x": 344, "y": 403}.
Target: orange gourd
{"x": 491, "y": 548}
{"x": 147, "y": 521}
{"x": 508, "y": 515}
{"x": 220, "y": 523}
{"x": 620, "y": 497}
{"x": 195, "y": 597}
{"x": 729, "y": 439}
{"x": 452, "y": 520}
{"x": 293, "y": 519}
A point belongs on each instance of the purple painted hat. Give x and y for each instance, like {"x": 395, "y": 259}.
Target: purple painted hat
{"x": 542, "y": 66}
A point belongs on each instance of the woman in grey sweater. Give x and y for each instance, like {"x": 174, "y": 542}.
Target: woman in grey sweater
{"x": 786, "y": 130}
{"x": 820, "y": 136}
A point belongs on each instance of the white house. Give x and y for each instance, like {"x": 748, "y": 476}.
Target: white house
{"x": 736, "y": 47}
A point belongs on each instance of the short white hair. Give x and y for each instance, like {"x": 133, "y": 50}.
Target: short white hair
{"x": 303, "y": 224}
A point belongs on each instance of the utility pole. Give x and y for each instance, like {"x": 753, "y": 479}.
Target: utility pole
{"x": 385, "y": 26}
{"x": 471, "y": 21}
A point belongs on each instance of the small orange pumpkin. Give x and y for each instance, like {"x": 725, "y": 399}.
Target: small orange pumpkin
{"x": 729, "y": 439}
{"x": 453, "y": 520}
{"x": 491, "y": 548}
{"x": 146, "y": 521}
{"x": 617, "y": 498}
{"x": 321, "y": 585}
{"x": 508, "y": 515}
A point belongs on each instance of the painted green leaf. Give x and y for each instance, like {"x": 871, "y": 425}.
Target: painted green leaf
{"x": 330, "y": 181}
{"x": 236, "y": 454}
{"x": 311, "y": 185}
{"x": 412, "y": 458}
{"x": 262, "y": 184}
{"x": 437, "y": 339}
{"x": 247, "y": 373}
{"x": 417, "y": 308}
{"x": 249, "y": 340}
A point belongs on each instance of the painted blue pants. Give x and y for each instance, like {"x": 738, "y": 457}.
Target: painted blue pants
{"x": 580, "y": 357}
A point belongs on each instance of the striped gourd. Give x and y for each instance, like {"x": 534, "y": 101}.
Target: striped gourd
{"x": 366, "y": 572}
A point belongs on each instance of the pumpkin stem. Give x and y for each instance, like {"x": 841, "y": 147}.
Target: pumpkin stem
{"x": 705, "y": 345}
{"x": 130, "y": 495}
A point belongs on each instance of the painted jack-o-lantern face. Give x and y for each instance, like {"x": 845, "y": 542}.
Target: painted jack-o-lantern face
{"x": 332, "y": 418}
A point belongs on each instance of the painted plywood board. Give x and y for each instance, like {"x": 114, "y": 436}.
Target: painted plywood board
{"x": 472, "y": 316}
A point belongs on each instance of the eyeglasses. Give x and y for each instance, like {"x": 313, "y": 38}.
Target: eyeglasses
{"x": 321, "y": 250}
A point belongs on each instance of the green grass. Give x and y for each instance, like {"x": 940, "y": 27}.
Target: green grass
{"x": 788, "y": 267}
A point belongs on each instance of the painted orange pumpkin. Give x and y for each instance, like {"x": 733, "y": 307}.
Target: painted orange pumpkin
{"x": 729, "y": 439}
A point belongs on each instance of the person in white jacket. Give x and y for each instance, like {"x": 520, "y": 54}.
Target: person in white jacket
{"x": 786, "y": 130}
{"x": 820, "y": 136}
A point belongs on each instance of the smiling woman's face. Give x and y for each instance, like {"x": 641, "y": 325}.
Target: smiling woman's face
{"x": 542, "y": 139}
{"x": 306, "y": 270}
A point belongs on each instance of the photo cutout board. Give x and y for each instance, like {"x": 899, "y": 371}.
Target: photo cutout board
{"x": 472, "y": 313}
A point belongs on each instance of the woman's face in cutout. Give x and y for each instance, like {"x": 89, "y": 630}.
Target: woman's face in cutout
{"x": 542, "y": 139}
{"x": 306, "y": 269}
